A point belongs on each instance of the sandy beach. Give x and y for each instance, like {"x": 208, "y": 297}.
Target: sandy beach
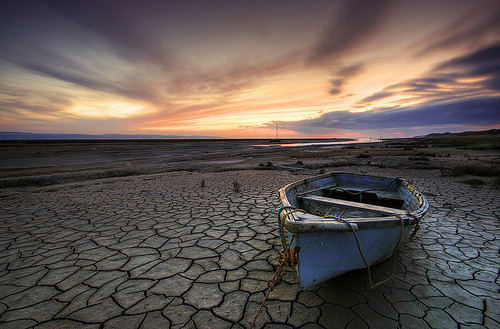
{"x": 184, "y": 235}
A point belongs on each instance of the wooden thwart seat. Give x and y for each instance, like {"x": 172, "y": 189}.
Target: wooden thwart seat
{"x": 351, "y": 204}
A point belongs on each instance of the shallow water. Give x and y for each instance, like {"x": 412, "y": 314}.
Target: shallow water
{"x": 318, "y": 143}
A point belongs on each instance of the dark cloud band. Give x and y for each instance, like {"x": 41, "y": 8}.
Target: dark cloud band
{"x": 468, "y": 112}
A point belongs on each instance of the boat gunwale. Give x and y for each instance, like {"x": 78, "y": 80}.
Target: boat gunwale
{"x": 297, "y": 222}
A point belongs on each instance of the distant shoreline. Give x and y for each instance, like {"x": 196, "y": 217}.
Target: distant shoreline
{"x": 170, "y": 140}
{"x": 47, "y": 137}
{"x": 8, "y": 135}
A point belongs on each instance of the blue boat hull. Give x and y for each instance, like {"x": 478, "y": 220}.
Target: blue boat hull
{"x": 325, "y": 255}
{"x": 328, "y": 245}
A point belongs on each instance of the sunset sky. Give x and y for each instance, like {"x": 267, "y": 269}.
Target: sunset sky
{"x": 237, "y": 68}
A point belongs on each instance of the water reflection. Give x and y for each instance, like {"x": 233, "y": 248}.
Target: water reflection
{"x": 319, "y": 143}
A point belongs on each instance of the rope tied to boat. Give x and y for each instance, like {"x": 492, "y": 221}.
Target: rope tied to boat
{"x": 270, "y": 285}
{"x": 288, "y": 256}
{"x": 417, "y": 226}
{"x": 372, "y": 286}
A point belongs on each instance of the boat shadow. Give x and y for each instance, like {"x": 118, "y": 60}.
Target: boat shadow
{"x": 358, "y": 280}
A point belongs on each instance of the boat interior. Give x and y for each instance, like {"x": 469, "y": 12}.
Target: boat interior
{"x": 352, "y": 202}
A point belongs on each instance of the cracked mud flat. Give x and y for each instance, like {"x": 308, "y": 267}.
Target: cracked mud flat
{"x": 161, "y": 251}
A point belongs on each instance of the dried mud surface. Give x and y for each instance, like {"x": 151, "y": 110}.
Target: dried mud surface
{"x": 190, "y": 241}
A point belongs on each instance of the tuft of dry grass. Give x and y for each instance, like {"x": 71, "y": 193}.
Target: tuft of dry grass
{"x": 236, "y": 186}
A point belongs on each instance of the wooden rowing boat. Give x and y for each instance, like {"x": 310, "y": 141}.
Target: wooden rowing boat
{"x": 339, "y": 222}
